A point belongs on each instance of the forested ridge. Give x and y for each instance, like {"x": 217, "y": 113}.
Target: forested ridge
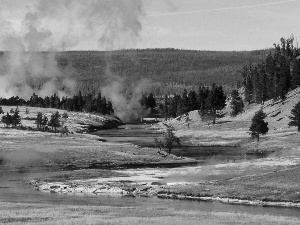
{"x": 275, "y": 76}
{"x": 169, "y": 70}
{"x": 161, "y": 66}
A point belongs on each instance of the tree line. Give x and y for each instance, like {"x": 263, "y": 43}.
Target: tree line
{"x": 207, "y": 100}
{"x": 57, "y": 120}
{"x": 78, "y": 103}
{"x": 275, "y": 76}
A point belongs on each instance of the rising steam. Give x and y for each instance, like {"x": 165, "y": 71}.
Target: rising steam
{"x": 42, "y": 28}
{"x": 56, "y": 25}
{"x": 127, "y": 106}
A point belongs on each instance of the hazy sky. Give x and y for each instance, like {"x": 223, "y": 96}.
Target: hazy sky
{"x": 184, "y": 24}
{"x": 222, "y": 24}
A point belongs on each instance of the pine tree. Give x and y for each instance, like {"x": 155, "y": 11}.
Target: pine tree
{"x": 174, "y": 102}
{"x": 80, "y": 101}
{"x": 248, "y": 82}
{"x": 99, "y": 103}
{"x": 16, "y": 118}
{"x": 295, "y": 118}
{"x": 184, "y": 103}
{"x": 165, "y": 107}
{"x": 192, "y": 101}
{"x": 151, "y": 102}
{"x": 7, "y": 120}
{"x": 44, "y": 122}
{"x": 88, "y": 103}
{"x": 216, "y": 100}
{"x": 110, "y": 109}
{"x": 236, "y": 103}
{"x": 258, "y": 125}
{"x": 39, "y": 120}
{"x": 295, "y": 74}
{"x": 54, "y": 121}
{"x": 270, "y": 73}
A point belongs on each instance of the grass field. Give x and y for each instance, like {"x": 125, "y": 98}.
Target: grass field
{"x": 57, "y": 214}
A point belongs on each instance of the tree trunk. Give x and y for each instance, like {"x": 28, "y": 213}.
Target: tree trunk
{"x": 257, "y": 137}
{"x": 214, "y": 116}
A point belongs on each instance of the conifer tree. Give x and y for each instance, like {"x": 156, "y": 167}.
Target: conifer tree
{"x": 44, "y": 122}
{"x": 174, "y": 102}
{"x": 270, "y": 73}
{"x": 236, "y": 103}
{"x": 216, "y": 100}
{"x": 258, "y": 125}
{"x": 99, "y": 103}
{"x": 151, "y": 102}
{"x": 166, "y": 107}
{"x": 295, "y": 74}
{"x": 80, "y": 101}
{"x": 16, "y": 118}
{"x": 39, "y": 120}
{"x": 110, "y": 109}
{"x": 54, "y": 121}
{"x": 192, "y": 101}
{"x": 184, "y": 103}
{"x": 295, "y": 118}
{"x": 248, "y": 82}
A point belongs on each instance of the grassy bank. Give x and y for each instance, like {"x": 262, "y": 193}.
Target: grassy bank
{"x": 57, "y": 214}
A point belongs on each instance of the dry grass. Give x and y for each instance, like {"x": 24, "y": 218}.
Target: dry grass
{"x": 53, "y": 214}
{"x": 276, "y": 186}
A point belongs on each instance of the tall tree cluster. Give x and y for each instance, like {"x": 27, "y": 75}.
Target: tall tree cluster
{"x": 275, "y": 76}
{"x": 207, "y": 99}
{"x": 79, "y": 103}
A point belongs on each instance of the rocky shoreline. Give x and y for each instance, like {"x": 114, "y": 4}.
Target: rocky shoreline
{"x": 121, "y": 189}
{"x": 144, "y": 189}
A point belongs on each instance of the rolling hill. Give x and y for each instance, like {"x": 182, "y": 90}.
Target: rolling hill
{"x": 168, "y": 69}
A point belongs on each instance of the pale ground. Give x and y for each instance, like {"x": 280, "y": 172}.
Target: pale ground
{"x": 77, "y": 121}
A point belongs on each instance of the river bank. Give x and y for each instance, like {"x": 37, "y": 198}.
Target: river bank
{"x": 260, "y": 182}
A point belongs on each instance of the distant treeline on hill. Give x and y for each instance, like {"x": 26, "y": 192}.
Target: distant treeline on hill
{"x": 207, "y": 100}
{"x": 170, "y": 70}
{"x": 162, "y": 66}
{"x": 275, "y": 76}
{"x": 79, "y": 103}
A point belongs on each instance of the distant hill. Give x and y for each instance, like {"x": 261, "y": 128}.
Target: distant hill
{"x": 162, "y": 66}
{"x": 170, "y": 70}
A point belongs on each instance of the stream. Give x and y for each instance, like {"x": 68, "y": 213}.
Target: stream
{"x": 14, "y": 190}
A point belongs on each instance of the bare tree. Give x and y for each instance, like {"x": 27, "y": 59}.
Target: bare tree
{"x": 169, "y": 140}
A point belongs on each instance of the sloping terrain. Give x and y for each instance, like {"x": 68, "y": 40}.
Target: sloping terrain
{"x": 174, "y": 67}
{"x": 76, "y": 122}
{"x": 234, "y": 131}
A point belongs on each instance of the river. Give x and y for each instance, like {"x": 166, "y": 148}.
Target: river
{"x": 14, "y": 190}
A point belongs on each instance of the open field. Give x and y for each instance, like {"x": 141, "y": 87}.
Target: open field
{"x": 57, "y": 214}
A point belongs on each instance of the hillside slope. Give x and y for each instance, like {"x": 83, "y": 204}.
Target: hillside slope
{"x": 234, "y": 131}
{"x": 169, "y": 66}
{"x": 169, "y": 70}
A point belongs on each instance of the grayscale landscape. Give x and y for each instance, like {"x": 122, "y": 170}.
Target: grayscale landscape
{"x": 149, "y": 112}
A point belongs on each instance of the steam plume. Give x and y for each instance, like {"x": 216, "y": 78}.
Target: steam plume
{"x": 126, "y": 106}
{"x": 58, "y": 25}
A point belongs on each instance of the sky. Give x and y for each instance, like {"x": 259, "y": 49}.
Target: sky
{"x": 115, "y": 24}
